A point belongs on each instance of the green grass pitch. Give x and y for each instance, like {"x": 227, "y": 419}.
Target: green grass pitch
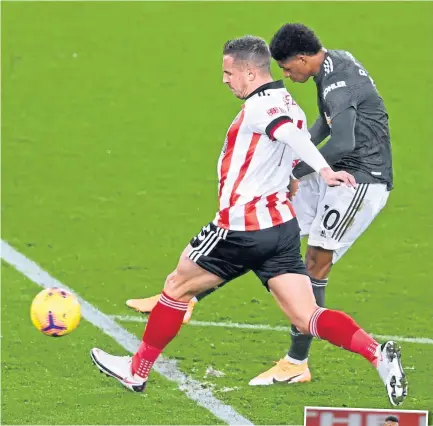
{"x": 113, "y": 115}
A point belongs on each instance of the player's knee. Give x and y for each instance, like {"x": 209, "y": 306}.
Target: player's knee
{"x": 176, "y": 286}
{"x": 172, "y": 281}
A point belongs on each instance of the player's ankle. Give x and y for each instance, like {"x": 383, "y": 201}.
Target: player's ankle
{"x": 140, "y": 367}
{"x": 139, "y": 378}
{"x": 295, "y": 360}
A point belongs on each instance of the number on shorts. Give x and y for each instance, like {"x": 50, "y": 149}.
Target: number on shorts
{"x": 331, "y": 218}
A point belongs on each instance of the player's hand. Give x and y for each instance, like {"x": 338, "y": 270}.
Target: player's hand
{"x": 293, "y": 187}
{"x": 294, "y": 183}
{"x": 337, "y": 178}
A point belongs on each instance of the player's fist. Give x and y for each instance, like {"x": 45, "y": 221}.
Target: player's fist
{"x": 337, "y": 178}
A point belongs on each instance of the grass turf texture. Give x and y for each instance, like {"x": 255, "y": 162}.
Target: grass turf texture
{"x": 113, "y": 117}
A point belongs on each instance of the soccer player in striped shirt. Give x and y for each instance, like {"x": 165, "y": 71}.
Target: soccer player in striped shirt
{"x": 255, "y": 228}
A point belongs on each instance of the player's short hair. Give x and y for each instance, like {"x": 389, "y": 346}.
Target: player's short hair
{"x": 294, "y": 39}
{"x": 249, "y": 49}
{"x": 392, "y": 419}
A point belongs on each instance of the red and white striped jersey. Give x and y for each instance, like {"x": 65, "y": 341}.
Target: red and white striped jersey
{"x": 253, "y": 168}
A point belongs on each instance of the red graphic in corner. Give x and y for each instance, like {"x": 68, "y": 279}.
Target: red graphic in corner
{"x": 336, "y": 417}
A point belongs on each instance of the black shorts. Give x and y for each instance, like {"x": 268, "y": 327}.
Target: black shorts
{"x": 268, "y": 252}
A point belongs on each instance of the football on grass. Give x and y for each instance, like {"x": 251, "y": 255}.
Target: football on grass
{"x": 55, "y": 312}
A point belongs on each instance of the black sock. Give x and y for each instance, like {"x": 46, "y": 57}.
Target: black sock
{"x": 210, "y": 291}
{"x": 301, "y": 342}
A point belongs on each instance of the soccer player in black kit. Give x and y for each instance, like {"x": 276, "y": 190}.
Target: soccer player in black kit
{"x": 353, "y": 114}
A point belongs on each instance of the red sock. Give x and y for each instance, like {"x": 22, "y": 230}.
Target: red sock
{"x": 341, "y": 330}
{"x": 164, "y": 323}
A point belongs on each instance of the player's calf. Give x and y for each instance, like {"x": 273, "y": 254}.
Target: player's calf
{"x": 341, "y": 330}
{"x": 301, "y": 342}
{"x": 167, "y": 316}
{"x": 164, "y": 323}
{"x": 318, "y": 262}
{"x": 294, "y": 294}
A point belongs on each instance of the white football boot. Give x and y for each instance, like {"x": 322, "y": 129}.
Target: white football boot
{"x": 118, "y": 367}
{"x": 391, "y": 372}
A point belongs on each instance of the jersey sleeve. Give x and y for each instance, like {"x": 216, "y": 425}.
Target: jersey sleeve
{"x": 265, "y": 116}
{"x": 339, "y": 93}
{"x": 319, "y": 131}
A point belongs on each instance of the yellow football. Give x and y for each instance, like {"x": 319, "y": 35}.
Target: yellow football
{"x": 55, "y": 312}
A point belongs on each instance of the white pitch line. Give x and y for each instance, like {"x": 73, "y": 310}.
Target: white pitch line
{"x": 135, "y": 318}
{"x": 164, "y": 366}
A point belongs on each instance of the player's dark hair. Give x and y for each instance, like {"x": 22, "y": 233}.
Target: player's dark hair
{"x": 294, "y": 39}
{"x": 249, "y": 49}
{"x": 391, "y": 419}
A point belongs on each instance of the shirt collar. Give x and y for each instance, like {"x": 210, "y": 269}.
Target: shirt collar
{"x": 272, "y": 85}
{"x": 321, "y": 74}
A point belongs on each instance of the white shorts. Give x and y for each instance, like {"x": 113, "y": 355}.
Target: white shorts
{"x": 334, "y": 217}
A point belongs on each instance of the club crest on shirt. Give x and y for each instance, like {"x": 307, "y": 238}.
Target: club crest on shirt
{"x": 288, "y": 101}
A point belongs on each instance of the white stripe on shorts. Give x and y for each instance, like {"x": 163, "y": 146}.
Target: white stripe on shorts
{"x": 202, "y": 244}
{"x": 210, "y": 244}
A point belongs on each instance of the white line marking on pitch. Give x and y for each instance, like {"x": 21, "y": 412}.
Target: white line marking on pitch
{"x": 135, "y": 318}
{"x": 166, "y": 367}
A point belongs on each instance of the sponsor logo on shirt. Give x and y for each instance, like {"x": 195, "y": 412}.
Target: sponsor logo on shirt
{"x": 332, "y": 87}
{"x": 275, "y": 111}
